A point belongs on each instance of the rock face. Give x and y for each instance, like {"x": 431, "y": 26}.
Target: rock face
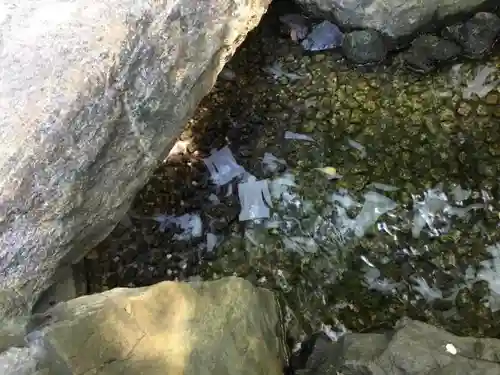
{"x": 91, "y": 96}
{"x": 394, "y": 18}
{"x": 224, "y": 327}
{"x": 413, "y": 348}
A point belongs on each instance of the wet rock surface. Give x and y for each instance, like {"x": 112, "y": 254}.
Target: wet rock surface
{"x": 91, "y": 97}
{"x": 412, "y": 348}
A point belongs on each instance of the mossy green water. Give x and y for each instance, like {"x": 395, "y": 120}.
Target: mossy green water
{"x": 417, "y": 133}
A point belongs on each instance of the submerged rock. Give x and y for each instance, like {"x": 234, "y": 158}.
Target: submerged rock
{"x": 91, "y": 96}
{"x": 478, "y": 35}
{"x": 395, "y": 18}
{"x": 412, "y": 348}
{"x": 364, "y": 47}
{"x": 427, "y": 50}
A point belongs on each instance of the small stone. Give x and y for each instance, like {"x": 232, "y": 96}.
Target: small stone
{"x": 426, "y": 50}
{"x": 478, "y": 35}
{"x": 364, "y": 47}
{"x": 464, "y": 109}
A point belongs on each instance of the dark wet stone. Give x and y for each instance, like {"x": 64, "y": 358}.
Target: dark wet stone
{"x": 478, "y": 35}
{"x": 364, "y": 47}
{"x": 130, "y": 273}
{"x": 407, "y": 345}
{"x": 427, "y": 50}
{"x": 313, "y": 350}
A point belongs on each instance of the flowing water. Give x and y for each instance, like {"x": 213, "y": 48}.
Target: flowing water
{"x": 359, "y": 195}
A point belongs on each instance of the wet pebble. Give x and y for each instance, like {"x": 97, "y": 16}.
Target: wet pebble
{"x": 427, "y": 50}
{"x": 295, "y": 26}
{"x": 476, "y": 36}
{"x": 364, "y": 47}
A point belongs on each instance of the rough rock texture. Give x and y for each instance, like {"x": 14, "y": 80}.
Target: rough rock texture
{"x": 395, "y": 18}
{"x": 90, "y": 98}
{"x": 364, "y": 47}
{"x": 413, "y": 348}
{"x": 223, "y": 327}
{"x": 476, "y": 36}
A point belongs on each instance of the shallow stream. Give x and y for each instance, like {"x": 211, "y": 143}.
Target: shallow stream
{"x": 375, "y": 192}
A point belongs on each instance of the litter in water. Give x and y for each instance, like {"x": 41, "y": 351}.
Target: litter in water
{"x": 300, "y": 244}
{"x": 479, "y": 85}
{"x": 334, "y": 334}
{"x": 276, "y": 71}
{"x": 255, "y": 199}
{"x": 214, "y": 198}
{"x": 323, "y": 36}
{"x": 375, "y": 206}
{"x": 425, "y": 210}
{"x": 212, "y": 242}
{"x": 460, "y": 194}
{"x": 358, "y": 146}
{"x": 344, "y": 198}
{"x": 271, "y": 163}
{"x": 490, "y": 272}
{"x": 190, "y": 224}
{"x": 280, "y": 186}
{"x": 298, "y": 136}
{"x": 427, "y": 292}
{"x": 374, "y": 281}
{"x": 222, "y": 166}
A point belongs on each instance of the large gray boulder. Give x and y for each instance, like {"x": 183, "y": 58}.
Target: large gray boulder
{"x": 394, "y": 18}
{"x": 223, "y": 327}
{"x": 91, "y": 96}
